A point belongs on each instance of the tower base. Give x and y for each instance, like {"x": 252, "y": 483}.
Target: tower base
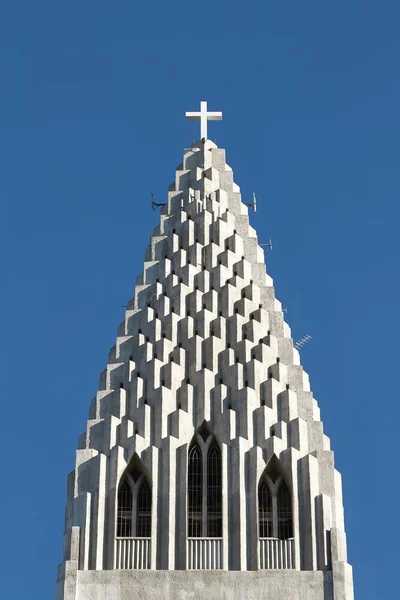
{"x": 205, "y": 585}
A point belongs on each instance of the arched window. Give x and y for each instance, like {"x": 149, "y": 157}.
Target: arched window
{"x": 204, "y": 487}
{"x": 214, "y": 492}
{"x": 195, "y": 495}
{"x": 284, "y": 506}
{"x": 134, "y": 507}
{"x": 124, "y": 520}
{"x": 275, "y": 518}
{"x": 143, "y": 511}
{"x": 265, "y": 510}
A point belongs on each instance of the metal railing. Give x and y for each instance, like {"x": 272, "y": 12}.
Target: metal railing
{"x": 204, "y": 553}
{"x": 275, "y": 554}
{"x": 132, "y": 553}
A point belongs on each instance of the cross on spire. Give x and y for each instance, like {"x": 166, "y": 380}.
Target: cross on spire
{"x": 204, "y": 116}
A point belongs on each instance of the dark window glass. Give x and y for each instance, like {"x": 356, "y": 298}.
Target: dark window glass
{"x": 285, "y": 519}
{"x": 214, "y": 493}
{"x": 143, "y": 511}
{"x": 124, "y": 519}
{"x": 195, "y": 493}
{"x": 273, "y": 473}
{"x": 265, "y": 515}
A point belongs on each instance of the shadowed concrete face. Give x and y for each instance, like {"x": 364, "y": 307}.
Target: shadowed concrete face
{"x": 204, "y": 353}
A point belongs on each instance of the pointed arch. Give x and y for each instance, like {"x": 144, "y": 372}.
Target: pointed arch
{"x": 284, "y": 509}
{"x": 273, "y": 468}
{"x": 195, "y": 492}
{"x": 134, "y": 502}
{"x": 275, "y": 514}
{"x": 204, "y": 485}
{"x": 136, "y": 468}
{"x": 143, "y": 510}
{"x": 265, "y": 513}
{"x": 214, "y": 491}
{"x": 204, "y": 431}
{"x": 124, "y": 518}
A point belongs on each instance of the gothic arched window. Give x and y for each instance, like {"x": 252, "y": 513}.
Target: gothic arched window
{"x": 143, "y": 511}
{"x": 284, "y": 506}
{"x": 195, "y": 493}
{"x": 265, "y": 510}
{"x": 204, "y": 487}
{"x": 134, "y": 507}
{"x": 275, "y": 517}
{"x": 214, "y": 492}
{"x": 124, "y": 520}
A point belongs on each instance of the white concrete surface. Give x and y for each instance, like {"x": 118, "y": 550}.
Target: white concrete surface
{"x": 204, "y": 340}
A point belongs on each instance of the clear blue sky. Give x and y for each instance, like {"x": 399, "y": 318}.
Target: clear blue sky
{"x": 92, "y": 107}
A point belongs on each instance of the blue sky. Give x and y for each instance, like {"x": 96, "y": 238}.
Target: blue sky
{"x": 92, "y": 105}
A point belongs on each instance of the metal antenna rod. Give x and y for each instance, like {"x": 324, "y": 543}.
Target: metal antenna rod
{"x": 155, "y": 205}
{"x": 269, "y": 245}
{"x": 302, "y": 342}
{"x": 253, "y": 204}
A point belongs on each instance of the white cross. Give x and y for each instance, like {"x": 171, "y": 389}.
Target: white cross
{"x": 204, "y": 116}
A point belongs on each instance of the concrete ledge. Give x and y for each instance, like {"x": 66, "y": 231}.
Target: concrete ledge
{"x": 204, "y": 585}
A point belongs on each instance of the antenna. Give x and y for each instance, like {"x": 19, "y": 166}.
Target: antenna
{"x": 253, "y": 204}
{"x": 155, "y": 205}
{"x": 269, "y": 245}
{"x": 302, "y": 342}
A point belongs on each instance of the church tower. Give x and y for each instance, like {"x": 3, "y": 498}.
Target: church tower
{"x": 204, "y": 470}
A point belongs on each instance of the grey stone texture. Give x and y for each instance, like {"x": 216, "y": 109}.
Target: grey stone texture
{"x": 197, "y": 585}
{"x": 204, "y": 340}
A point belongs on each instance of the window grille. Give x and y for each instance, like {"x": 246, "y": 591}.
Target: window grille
{"x": 265, "y": 511}
{"x": 134, "y": 507}
{"x": 124, "y": 520}
{"x": 214, "y": 493}
{"x": 204, "y": 487}
{"x": 195, "y": 489}
{"x": 143, "y": 511}
{"x": 285, "y": 520}
{"x": 275, "y": 515}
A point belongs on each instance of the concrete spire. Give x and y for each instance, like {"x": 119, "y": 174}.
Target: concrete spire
{"x": 204, "y": 343}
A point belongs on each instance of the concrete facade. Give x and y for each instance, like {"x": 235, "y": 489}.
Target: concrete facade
{"x": 204, "y": 343}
